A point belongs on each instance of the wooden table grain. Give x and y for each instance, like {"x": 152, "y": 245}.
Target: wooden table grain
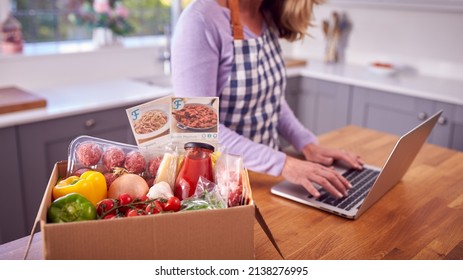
{"x": 420, "y": 218}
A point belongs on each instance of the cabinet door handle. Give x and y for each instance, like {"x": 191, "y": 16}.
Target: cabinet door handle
{"x": 442, "y": 120}
{"x": 90, "y": 123}
{"x": 422, "y": 116}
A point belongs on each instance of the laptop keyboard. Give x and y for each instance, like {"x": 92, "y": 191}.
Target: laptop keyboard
{"x": 361, "y": 181}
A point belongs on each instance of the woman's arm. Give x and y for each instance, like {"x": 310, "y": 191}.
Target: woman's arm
{"x": 257, "y": 157}
{"x": 292, "y": 130}
{"x": 195, "y": 58}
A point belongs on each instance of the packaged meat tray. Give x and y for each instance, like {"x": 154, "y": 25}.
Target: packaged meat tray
{"x": 109, "y": 157}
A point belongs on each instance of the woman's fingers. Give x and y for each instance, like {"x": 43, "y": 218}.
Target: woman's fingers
{"x": 306, "y": 173}
{"x": 328, "y": 179}
{"x": 351, "y": 159}
{"x": 310, "y": 188}
{"x": 332, "y": 182}
{"x": 327, "y": 156}
{"x": 326, "y": 160}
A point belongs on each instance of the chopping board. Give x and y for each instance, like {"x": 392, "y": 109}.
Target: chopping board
{"x": 292, "y": 62}
{"x": 13, "y": 99}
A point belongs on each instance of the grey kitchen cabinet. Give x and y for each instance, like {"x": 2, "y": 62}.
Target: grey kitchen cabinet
{"x": 457, "y": 135}
{"x": 323, "y": 106}
{"x": 397, "y": 114}
{"x": 293, "y": 88}
{"x": 12, "y": 224}
{"x": 44, "y": 143}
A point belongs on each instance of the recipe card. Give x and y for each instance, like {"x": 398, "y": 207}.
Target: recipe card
{"x": 195, "y": 119}
{"x": 175, "y": 119}
{"x": 150, "y": 122}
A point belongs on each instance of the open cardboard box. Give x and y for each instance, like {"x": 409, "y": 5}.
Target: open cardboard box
{"x": 202, "y": 234}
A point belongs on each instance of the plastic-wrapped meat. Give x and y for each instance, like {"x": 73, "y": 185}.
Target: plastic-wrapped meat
{"x": 81, "y": 171}
{"x": 88, "y": 153}
{"x": 135, "y": 162}
{"x": 150, "y": 181}
{"x": 153, "y": 165}
{"x": 234, "y": 197}
{"x": 113, "y": 157}
{"x": 110, "y": 177}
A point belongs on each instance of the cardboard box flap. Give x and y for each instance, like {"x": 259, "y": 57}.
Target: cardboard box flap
{"x": 260, "y": 219}
{"x": 58, "y": 169}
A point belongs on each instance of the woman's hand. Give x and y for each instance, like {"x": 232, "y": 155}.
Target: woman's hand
{"x": 303, "y": 173}
{"x": 327, "y": 156}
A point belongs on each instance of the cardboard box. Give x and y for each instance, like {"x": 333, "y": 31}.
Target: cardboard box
{"x": 203, "y": 234}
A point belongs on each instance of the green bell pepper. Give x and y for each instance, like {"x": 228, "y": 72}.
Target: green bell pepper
{"x": 70, "y": 208}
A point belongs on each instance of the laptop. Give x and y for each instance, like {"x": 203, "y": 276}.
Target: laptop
{"x": 370, "y": 183}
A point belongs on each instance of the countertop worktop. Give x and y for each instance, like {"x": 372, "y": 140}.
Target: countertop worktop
{"x": 417, "y": 219}
{"x": 93, "y": 96}
{"x": 77, "y": 99}
{"x": 404, "y": 81}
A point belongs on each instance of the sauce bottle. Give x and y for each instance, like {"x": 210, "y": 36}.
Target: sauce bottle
{"x": 197, "y": 163}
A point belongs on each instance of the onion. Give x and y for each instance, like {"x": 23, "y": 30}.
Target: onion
{"x": 132, "y": 184}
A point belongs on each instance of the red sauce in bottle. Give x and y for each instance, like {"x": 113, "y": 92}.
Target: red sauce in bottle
{"x": 197, "y": 163}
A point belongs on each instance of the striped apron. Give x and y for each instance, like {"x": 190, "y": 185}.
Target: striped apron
{"x": 250, "y": 103}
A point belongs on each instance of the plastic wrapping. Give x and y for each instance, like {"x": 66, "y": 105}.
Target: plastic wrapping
{"x": 157, "y": 165}
{"x": 228, "y": 177}
{"x": 167, "y": 170}
{"x": 206, "y": 196}
{"x": 111, "y": 158}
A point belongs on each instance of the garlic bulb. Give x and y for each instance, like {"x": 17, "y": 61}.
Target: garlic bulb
{"x": 160, "y": 190}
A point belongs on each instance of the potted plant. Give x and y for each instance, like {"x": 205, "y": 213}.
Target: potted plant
{"x": 107, "y": 18}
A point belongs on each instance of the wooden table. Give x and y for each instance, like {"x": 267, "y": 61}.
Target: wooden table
{"x": 421, "y": 218}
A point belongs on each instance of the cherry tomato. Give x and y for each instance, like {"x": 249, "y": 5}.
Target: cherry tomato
{"x": 109, "y": 216}
{"x": 106, "y": 205}
{"x": 135, "y": 213}
{"x": 140, "y": 203}
{"x": 125, "y": 198}
{"x": 153, "y": 207}
{"x": 172, "y": 204}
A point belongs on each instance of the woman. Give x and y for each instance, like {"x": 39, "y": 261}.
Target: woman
{"x": 230, "y": 49}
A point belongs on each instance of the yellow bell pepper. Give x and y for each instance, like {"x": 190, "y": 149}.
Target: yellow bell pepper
{"x": 91, "y": 184}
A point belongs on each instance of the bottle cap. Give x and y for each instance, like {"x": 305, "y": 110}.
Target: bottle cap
{"x": 199, "y": 145}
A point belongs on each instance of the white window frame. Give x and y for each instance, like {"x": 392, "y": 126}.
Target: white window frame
{"x": 63, "y": 47}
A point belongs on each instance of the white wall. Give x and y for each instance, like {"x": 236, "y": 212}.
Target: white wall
{"x": 4, "y": 9}
{"x": 42, "y": 71}
{"x": 429, "y": 41}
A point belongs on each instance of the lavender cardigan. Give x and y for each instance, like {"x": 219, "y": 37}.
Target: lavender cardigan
{"x": 202, "y": 57}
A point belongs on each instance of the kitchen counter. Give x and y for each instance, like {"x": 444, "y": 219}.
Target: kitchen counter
{"x": 77, "y": 99}
{"x": 404, "y": 81}
{"x": 95, "y": 96}
{"x": 420, "y": 218}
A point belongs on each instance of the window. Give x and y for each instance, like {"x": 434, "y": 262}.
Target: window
{"x": 49, "y": 20}
{"x": 432, "y": 5}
